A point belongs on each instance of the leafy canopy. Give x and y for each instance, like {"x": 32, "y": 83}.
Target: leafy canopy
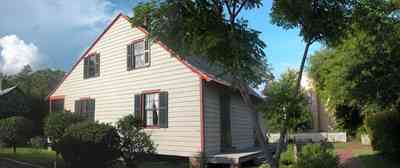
{"x": 201, "y": 28}
{"x": 318, "y": 20}
{"x": 281, "y": 103}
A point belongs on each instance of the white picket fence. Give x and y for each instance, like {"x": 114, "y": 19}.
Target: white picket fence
{"x": 314, "y": 137}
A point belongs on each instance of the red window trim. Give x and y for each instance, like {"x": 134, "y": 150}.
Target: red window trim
{"x": 137, "y": 41}
{"x": 151, "y": 91}
{"x": 91, "y": 54}
{"x": 56, "y": 97}
{"x": 85, "y": 98}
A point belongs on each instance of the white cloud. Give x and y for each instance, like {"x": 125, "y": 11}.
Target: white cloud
{"x": 60, "y": 28}
{"x": 15, "y": 54}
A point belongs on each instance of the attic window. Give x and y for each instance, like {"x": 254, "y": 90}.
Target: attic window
{"x": 138, "y": 54}
{"x": 91, "y": 66}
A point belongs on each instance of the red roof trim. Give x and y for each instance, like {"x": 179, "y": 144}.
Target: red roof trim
{"x": 202, "y": 75}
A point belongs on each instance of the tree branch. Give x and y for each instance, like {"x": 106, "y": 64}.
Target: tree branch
{"x": 240, "y": 8}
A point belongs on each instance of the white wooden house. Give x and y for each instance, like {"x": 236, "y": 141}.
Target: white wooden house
{"x": 181, "y": 100}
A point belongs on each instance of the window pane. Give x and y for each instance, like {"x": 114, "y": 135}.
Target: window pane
{"x": 139, "y": 60}
{"x": 139, "y": 54}
{"x": 151, "y": 109}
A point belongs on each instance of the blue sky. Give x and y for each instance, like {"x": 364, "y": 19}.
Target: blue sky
{"x": 53, "y": 33}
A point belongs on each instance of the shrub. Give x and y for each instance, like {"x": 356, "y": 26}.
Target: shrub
{"x": 264, "y": 165}
{"x": 38, "y": 142}
{"x": 136, "y": 144}
{"x": 56, "y": 124}
{"x": 383, "y": 129}
{"x": 317, "y": 156}
{"x": 14, "y": 130}
{"x": 287, "y": 157}
{"x": 90, "y": 144}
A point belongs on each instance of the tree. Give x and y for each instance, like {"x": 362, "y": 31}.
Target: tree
{"x": 281, "y": 102}
{"x": 36, "y": 85}
{"x": 211, "y": 30}
{"x": 15, "y": 130}
{"x": 324, "y": 21}
{"x": 55, "y": 126}
{"x": 135, "y": 143}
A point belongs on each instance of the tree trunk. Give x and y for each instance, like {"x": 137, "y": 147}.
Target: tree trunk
{"x": 282, "y": 143}
{"x": 303, "y": 62}
{"x": 14, "y": 146}
{"x": 244, "y": 91}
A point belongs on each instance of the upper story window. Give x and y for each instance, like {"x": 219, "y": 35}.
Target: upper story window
{"x": 138, "y": 54}
{"x": 91, "y": 67}
{"x": 86, "y": 108}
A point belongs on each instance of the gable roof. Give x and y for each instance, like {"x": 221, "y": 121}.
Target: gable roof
{"x": 6, "y": 91}
{"x": 197, "y": 65}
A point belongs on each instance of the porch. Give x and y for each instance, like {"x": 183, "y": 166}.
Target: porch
{"x": 237, "y": 157}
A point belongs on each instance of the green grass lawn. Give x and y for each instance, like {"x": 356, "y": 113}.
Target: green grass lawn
{"x": 368, "y": 157}
{"x": 46, "y": 158}
{"x": 40, "y": 157}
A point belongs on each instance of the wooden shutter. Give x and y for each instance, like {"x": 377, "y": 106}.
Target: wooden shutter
{"x": 163, "y": 107}
{"x": 138, "y": 107}
{"x": 129, "y": 57}
{"x": 77, "y": 107}
{"x": 92, "y": 109}
{"x": 146, "y": 52}
{"x": 85, "y": 68}
{"x": 97, "y": 64}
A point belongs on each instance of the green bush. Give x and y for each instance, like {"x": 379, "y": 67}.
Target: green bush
{"x": 287, "y": 157}
{"x": 317, "y": 156}
{"x": 15, "y": 130}
{"x": 56, "y": 124}
{"x": 90, "y": 144}
{"x": 136, "y": 145}
{"x": 383, "y": 129}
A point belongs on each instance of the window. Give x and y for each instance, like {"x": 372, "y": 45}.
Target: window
{"x": 91, "y": 66}
{"x": 138, "y": 54}
{"x": 85, "y": 108}
{"x": 152, "y": 109}
{"x": 57, "y": 105}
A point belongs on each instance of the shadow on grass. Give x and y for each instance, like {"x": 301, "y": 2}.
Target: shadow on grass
{"x": 377, "y": 161}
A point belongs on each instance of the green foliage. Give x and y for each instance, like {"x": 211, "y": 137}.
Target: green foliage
{"x": 264, "y": 165}
{"x": 35, "y": 86}
{"x": 15, "y": 130}
{"x": 90, "y": 144}
{"x": 185, "y": 25}
{"x": 287, "y": 157}
{"x": 281, "y": 101}
{"x": 317, "y": 156}
{"x": 324, "y": 20}
{"x": 56, "y": 125}
{"x": 135, "y": 143}
{"x": 383, "y": 129}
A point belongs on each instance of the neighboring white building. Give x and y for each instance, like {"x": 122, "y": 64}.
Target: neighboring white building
{"x": 321, "y": 119}
{"x": 181, "y": 100}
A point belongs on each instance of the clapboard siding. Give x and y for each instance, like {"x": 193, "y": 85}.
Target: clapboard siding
{"x": 115, "y": 88}
{"x": 241, "y": 128}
